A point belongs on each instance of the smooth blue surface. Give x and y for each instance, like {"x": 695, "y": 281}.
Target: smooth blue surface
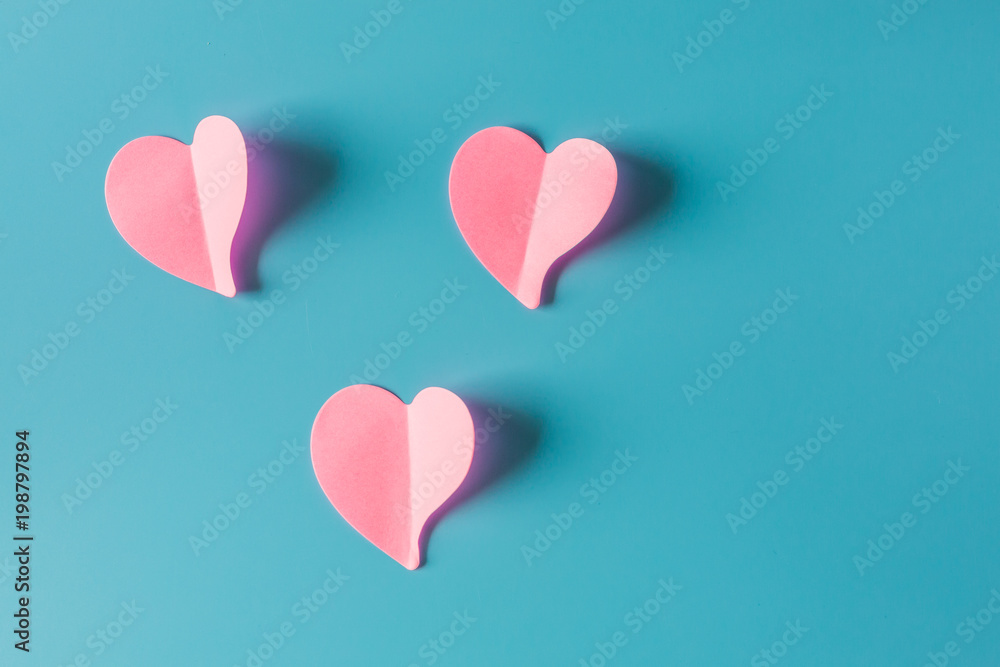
{"x": 666, "y": 516}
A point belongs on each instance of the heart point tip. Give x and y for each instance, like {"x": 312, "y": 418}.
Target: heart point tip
{"x": 530, "y": 304}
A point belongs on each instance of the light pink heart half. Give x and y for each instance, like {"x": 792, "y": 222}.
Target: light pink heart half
{"x": 520, "y": 209}
{"x": 178, "y": 205}
{"x": 387, "y": 466}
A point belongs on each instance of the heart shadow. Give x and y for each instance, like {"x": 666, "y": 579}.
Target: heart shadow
{"x": 282, "y": 178}
{"x": 645, "y": 188}
{"x": 496, "y": 454}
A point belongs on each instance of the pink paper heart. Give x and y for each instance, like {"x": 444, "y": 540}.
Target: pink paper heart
{"x": 178, "y": 205}
{"x": 520, "y": 209}
{"x": 387, "y": 466}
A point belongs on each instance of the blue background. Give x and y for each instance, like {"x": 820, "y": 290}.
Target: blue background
{"x": 666, "y": 517}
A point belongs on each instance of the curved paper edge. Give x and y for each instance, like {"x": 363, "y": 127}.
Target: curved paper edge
{"x": 504, "y": 270}
{"x": 448, "y": 469}
{"x": 140, "y": 219}
{"x": 543, "y": 252}
{"x": 219, "y": 159}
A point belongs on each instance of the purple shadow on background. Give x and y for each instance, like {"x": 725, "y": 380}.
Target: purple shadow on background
{"x": 644, "y": 189}
{"x": 282, "y": 178}
{"x": 496, "y": 455}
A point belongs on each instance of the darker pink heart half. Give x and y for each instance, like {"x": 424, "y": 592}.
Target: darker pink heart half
{"x": 520, "y": 209}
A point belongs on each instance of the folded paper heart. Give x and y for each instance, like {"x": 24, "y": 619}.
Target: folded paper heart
{"x": 387, "y": 466}
{"x": 520, "y": 209}
{"x": 178, "y": 205}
